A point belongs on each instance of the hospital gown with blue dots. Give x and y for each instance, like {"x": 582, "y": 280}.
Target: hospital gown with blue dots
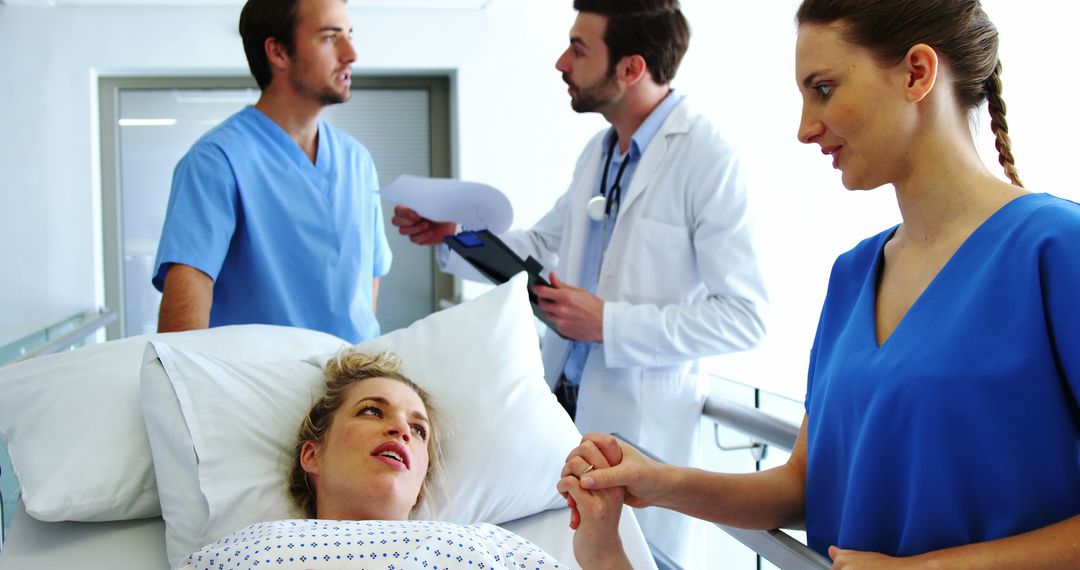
{"x": 318, "y": 544}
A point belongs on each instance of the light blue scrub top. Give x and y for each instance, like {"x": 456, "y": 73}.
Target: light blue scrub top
{"x": 597, "y": 240}
{"x": 286, "y": 242}
{"x": 964, "y": 426}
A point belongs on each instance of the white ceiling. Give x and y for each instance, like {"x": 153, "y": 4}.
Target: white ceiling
{"x": 384, "y": 4}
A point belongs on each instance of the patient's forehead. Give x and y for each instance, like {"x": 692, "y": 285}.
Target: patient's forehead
{"x": 385, "y": 391}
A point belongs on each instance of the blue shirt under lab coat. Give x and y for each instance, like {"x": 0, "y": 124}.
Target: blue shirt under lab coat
{"x": 598, "y": 238}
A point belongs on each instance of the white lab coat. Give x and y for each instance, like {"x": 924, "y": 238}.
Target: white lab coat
{"x": 680, "y": 281}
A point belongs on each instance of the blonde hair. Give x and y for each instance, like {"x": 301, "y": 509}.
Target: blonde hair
{"x": 342, "y": 373}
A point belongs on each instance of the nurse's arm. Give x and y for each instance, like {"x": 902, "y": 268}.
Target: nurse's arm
{"x": 774, "y": 498}
{"x": 765, "y": 500}
{"x": 1054, "y": 546}
{"x": 186, "y": 299}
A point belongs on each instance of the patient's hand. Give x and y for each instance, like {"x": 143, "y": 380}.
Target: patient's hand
{"x": 420, "y": 230}
{"x": 595, "y": 518}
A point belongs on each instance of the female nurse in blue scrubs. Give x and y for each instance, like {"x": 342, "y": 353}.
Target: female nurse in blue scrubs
{"x": 942, "y": 423}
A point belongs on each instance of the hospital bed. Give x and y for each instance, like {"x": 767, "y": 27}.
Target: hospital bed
{"x": 115, "y": 449}
{"x": 140, "y": 542}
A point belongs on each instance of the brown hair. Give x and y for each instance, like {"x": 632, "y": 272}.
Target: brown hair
{"x": 342, "y": 372}
{"x": 958, "y": 30}
{"x": 261, "y": 20}
{"x": 654, "y": 29}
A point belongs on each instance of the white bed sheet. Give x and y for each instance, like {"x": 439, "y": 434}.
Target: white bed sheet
{"x": 35, "y": 545}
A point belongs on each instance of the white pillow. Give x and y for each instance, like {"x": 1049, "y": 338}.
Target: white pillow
{"x": 505, "y": 435}
{"x": 74, "y": 428}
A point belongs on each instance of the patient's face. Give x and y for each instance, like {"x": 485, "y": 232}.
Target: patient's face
{"x": 374, "y": 458}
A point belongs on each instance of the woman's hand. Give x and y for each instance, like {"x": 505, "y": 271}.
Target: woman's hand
{"x": 644, "y": 479}
{"x": 595, "y": 515}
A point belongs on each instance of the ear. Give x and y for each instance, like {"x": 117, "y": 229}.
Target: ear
{"x": 309, "y": 457}
{"x": 276, "y": 53}
{"x": 632, "y": 69}
{"x": 921, "y": 66}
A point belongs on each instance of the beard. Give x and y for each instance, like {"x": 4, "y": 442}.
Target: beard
{"x": 591, "y": 98}
{"x": 323, "y": 95}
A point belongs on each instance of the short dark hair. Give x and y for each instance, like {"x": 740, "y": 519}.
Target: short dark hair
{"x": 654, "y": 29}
{"x": 264, "y": 19}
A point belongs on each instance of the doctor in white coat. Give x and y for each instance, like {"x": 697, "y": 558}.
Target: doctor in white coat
{"x": 650, "y": 251}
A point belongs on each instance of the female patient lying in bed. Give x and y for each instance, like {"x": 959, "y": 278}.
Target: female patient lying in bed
{"x": 368, "y": 451}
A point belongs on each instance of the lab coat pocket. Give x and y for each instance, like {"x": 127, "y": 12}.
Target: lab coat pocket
{"x": 662, "y": 258}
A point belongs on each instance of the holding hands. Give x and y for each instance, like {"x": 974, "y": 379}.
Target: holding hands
{"x": 599, "y": 476}
{"x": 644, "y": 480}
{"x": 594, "y": 514}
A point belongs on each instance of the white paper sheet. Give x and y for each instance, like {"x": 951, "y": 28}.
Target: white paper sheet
{"x": 474, "y": 205}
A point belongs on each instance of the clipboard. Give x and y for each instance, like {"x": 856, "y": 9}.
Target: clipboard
{"x": 496, "y": 261}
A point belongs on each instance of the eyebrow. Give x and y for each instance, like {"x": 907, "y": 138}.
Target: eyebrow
{"x": 809, "y": 80}
{"x": 334, "y": 29}
{"x": 380, "y": 400}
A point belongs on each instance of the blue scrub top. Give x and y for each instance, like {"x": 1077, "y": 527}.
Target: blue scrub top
{"x": 964, "y": 426}
{"x": 286, "y": 241}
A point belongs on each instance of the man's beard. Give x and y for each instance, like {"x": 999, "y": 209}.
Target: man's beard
{"x": 327, "y": 96}
{"x": 592, "y": 98}
{"x": 331, "y": 97}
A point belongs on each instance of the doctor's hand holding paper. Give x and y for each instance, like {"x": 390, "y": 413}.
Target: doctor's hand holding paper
{"x": 420, "y": 230}
{"x": 650, "y": 252}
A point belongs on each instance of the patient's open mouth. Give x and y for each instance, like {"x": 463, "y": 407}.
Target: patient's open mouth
{"x": 393, "y": 454}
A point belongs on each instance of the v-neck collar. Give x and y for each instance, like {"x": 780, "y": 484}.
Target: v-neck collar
{"x": 957, "y": 258}
{"x": 316, "y": 172}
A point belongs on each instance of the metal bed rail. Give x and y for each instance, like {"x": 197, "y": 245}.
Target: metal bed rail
{"x": 89, "y": 323}
{"x": 759, "y": 425}
{"x": 773, "y": 545}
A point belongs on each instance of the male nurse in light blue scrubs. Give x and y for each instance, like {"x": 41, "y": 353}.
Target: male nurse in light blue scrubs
{"x": 274, "y": 215}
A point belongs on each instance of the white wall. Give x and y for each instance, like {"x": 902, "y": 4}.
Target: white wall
{"x": 514, "y": 130}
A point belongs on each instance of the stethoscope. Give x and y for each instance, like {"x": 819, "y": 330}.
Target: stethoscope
{"x": 599, "y": 207}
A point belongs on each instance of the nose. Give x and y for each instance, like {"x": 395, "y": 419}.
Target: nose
{"x": 561, "y": 64}
{"x": 399, "y": 427}
{"x": 810, "y": 128}
{"x": 348, "y": 52}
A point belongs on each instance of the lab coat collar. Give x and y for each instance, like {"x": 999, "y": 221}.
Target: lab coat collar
{"x": 679, "y": 122}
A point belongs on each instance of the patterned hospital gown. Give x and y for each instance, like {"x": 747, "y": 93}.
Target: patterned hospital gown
{"x": 389, "y": 545}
